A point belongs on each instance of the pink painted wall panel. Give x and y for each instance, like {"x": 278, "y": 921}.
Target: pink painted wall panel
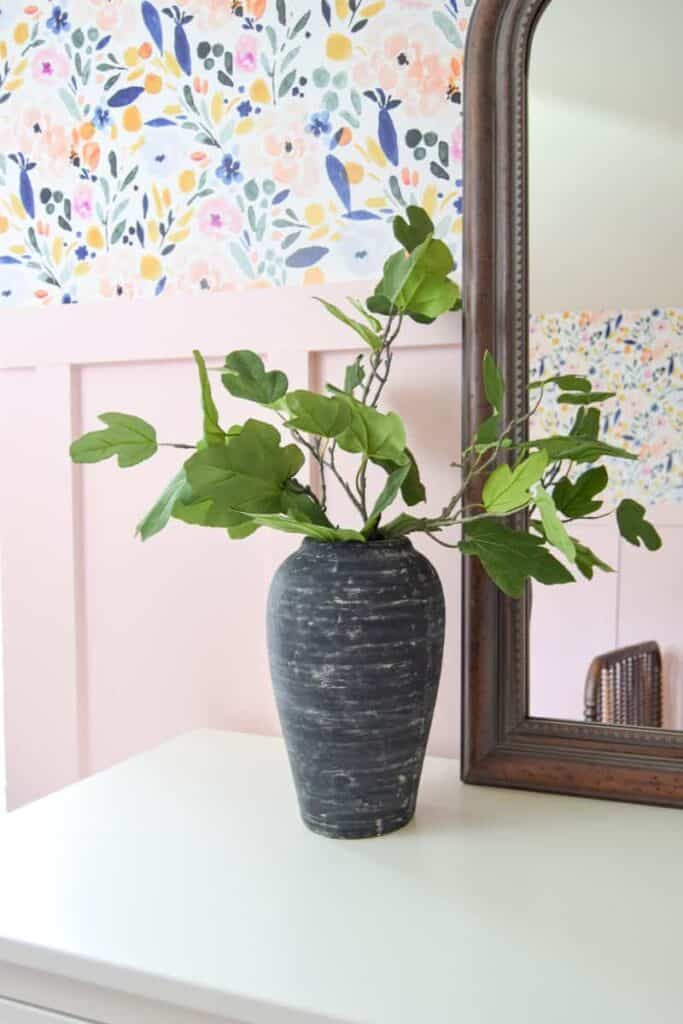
{"x": 570, "y": 625}
{"x": 650, "y": 609}
{"x": 175, "y": 633}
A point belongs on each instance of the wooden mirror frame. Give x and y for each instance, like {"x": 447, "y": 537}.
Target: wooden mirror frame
{"x": 501, "y": 744}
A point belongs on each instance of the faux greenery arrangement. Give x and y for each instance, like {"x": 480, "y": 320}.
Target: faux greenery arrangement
{"x": 244, "y": 478}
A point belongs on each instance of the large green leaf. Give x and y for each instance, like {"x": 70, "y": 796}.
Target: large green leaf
{"x": 324, "y": 533}
{"x": 587, "y": 561}
{"x": 634, "y": 527}
{"x": 552, "y": 524}
{"x": 315, "y": 414}
{"x": 129, "y": 438}
{"x": 248, "y": 474}
{"x": 412, "y": 488}
{"x": 370, "y": 337}
{"x": 213, "y": 434}
{"x": 389, "y": 493}
{"x": 375, "y": 434}
{"x": 416, "y": 229}
{"x": 507, "y": 490}
{"x": 494, "y": 385}
{"x": 578, "y": 449}
{"x": 569, "y": 382}
{"x": 511, "y": 557}
{"x": 299, "y": 505}
{"x": 246, "y": 377}
{"x": 586, "y": 424}
{"x": 592, "y": 398}
{"x": 432, "y": 298}
{"x": 489, "y": 429}
{"x": 404, "y": 524}
{"x": 354, "y": 375}
{"x": 575, "y": 500}
{"x": 159, "y": 515}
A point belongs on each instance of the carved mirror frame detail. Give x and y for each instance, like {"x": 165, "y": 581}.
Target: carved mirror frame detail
{"x": 501, "y": 744}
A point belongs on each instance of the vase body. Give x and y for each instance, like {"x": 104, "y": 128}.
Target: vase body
{"x": 355, "y": 640}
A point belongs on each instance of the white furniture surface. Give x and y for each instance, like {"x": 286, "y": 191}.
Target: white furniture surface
{"x": 181, "y": 888}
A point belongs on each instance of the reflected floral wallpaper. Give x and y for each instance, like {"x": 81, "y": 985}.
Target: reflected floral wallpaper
{"x": 639, "y": 355}
{"x": 220, "y": 144}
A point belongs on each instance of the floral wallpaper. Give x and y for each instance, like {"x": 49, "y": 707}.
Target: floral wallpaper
{"x": 639, "y": 355}
{"x": 220, "y": 144}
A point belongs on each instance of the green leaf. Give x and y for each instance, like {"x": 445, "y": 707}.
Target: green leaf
{"x": 586, "y": 399}
{"x": 570, "y": 382}
{"x": 369, "y": 336}
{"x": 634, "y": 527}
{"x": 131, "y": 439}
{"x": 246, "y": 377}
{"x": 507, "y": 490}
{"x": 299, "y": 505}
{"x": 578, "y": 449}
{"x": 494, "y": 385}
{"x": 488, "y": 431}
{"x": 389, "y": 494}
{"x": 324, "y": 533}
{"x": 249, "y": 473}
{"x": 415, "y": 230}
{"x": 159, "y": 515}
{"x": 315, "y": 414}
{"x": 575, "y": 500}
{"x": 213, "y": 434}
{"x": 511, "y": 557}
{"x": 587, "y": 561}
{"x": 375, "y": 434}
{"x": 372, "y": 321}
{"x": 431, "y": 299}
{"x": 554, "y": 529}
{"x": 412, "y": 488}
{"x": 354, "y": 375}
{"x": 404, "y": 524}
{"x": 586, "y": 424}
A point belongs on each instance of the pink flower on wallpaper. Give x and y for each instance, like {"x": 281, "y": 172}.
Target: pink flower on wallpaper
{"x": 246, "y": 53}
{"x": 109, "y": 15}
{"x": 411, "y": 65}
{"x": 44, "y": 138}
{"x": 210, "y": 14}
{"x": 218, "y": 218}
{"x": 83, "y": 202}
{"x": 50, "y": 66}
{"x": 293, "y": 155}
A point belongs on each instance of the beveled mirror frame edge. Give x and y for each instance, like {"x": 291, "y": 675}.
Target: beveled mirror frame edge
{"x": 501, "y": 744}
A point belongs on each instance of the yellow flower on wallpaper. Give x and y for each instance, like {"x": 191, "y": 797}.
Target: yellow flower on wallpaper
{"x": 217, "y": 144}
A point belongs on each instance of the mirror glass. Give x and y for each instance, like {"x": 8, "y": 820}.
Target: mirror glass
{"x": 606, "y": 300}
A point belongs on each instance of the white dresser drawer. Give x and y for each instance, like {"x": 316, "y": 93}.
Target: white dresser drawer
{"x": 22, "y": 1013}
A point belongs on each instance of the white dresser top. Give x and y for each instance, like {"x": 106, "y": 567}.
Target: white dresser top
{"x": 185, "y": 875}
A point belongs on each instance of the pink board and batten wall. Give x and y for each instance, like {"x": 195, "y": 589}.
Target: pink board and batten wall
{"x": 110, "y": 645}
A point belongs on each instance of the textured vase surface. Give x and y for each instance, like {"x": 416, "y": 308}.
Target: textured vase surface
{"x": 355, "y": 639}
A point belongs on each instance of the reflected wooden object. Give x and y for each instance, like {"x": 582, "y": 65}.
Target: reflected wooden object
{"x": 624, "y": 687}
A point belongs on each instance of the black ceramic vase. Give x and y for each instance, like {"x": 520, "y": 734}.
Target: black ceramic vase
{"x": 355, "y": 638}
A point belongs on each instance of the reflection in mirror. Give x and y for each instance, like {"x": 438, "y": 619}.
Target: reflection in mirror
{"x": 606, "y": 300}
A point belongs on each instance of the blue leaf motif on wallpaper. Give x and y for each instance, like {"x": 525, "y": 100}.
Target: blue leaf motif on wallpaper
{"x": 280, "y": 197}
{"x": 26, "y": 191}
{"x": 307, "y": 257}
{"x": 327, "y": 12}
{"x": 182, "y": 49}
{"x": 152, "y": 21}
{"x": 388, "y": 139}
{"x": 360, "y": 215}
{"x": 339, "y": 180}
{"x": 6, "y": 261}
{"x": 103, "y": 42}
{"x": 124, "y": 97}
{"x": 160, "y": 122}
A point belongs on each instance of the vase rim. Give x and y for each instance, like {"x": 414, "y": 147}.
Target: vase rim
{"x": 387, "y": 542}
